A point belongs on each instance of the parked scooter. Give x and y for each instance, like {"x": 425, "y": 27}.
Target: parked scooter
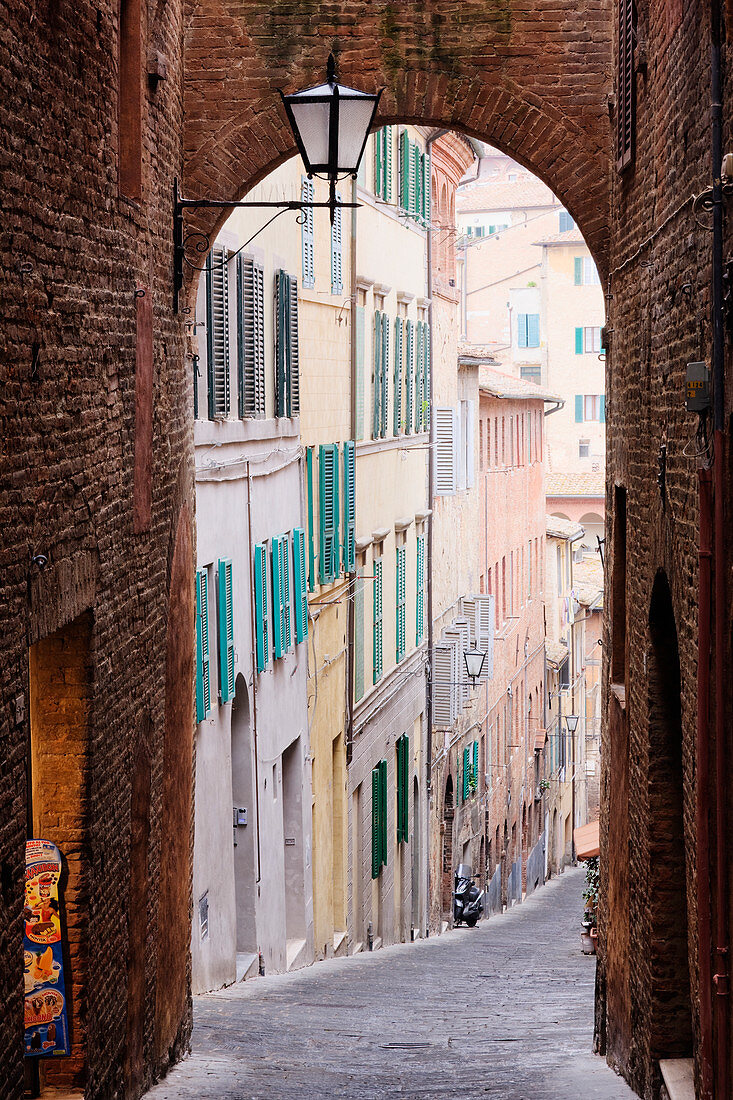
{"x": 467, "y": 898}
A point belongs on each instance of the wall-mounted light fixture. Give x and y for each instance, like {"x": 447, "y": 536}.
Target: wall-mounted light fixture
{"x": 474, "y": 660}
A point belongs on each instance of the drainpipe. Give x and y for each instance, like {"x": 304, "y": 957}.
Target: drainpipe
{"x": 350, "y": 621}
{"x": 254, "y": 668}
{"x": 721, "y": 978}
{"x": 702, "y": 809}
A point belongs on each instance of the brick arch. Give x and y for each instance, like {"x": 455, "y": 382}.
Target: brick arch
{"x": 534, "y": 83}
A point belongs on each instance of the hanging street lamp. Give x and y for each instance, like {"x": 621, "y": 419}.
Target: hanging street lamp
{"x": 330, "y": 124}
{"x": 474, "y": 660}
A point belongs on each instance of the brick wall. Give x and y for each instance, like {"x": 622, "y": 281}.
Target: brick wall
{"x": 74, "y": 252}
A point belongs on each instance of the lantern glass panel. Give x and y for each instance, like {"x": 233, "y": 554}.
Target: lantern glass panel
{"x": 355, "y": 116}
{"x": 312, "y": 121}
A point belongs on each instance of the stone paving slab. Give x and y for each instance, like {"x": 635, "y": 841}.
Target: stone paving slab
{"x": 504, "y": 1010}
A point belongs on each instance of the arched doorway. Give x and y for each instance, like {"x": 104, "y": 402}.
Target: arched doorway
{"x": 245, "y": 836}
{"x": 416, "y": 856}
{"x": 448, "y": 812}
{"x": 669, "y": 975}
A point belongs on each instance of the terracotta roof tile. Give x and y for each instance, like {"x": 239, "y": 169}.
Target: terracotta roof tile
{"x": 591, "y": 484}
{"x": 475, "y": 198}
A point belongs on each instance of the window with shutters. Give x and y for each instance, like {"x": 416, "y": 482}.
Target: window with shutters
{"x": 590, "y": 406}
{"x": 442, "y": 677}
{"x": 420, "y": 593}
{"x": 337, "y": 282}
{"x": 217, "y": 332}
{"x": 400, "y": 594}
{"x": 414, "y": 177}
{"x": 203, "y": 681}
{"x": 383, "y": 163}
{"x": 328, "y": 513}
{"x": 287, "y": 359}
{"x": 626, "y": 85}
{"x": 281, "y": 618}
{"x": 566, "y": 222}
{"x": 359, "y": 635}
{"x": 311, "y": 526}
{"x": 262, "y": 606}
{"x": 444, "y": 452}
{"x": 466, "y": 776}
{"x": 397, "y": 408}
{"x": 528, "y": 330}
{"x": 402, "y": 750}
{"x": 226, "y": 630}
{"x": 380, "y": 378}
{"x": 377, "y": 622}
{"x": 250, "y": 336}
{"x": 307, "y": 231}
{"x": 300, "y": 591}
{"x": 379, "y": 817}
{"x": 426, "y": 377}
{"x": 409, "y": 376}
{"x": 349, "y": 508}
{"x": 360, "y": 359}
{"x": 419, "y": 376}
{"x": 585, "y": 272}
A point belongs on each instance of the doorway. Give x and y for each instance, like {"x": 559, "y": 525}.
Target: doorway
{"x": 448, "y": 811}
{"x": 244, "y": 809}
{"x": 293, "y": 862}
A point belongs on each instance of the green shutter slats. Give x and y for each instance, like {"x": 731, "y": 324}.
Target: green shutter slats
{"x": 378, "y": 162}
{"x": 277, "y": 598}
{"x": 602, "y": 412}
{"x": 405, "y": 171}
{"x": 262, "y": 620}
{"x": 578, "y": 341}
{"x": 294, "y": 346}
{"x": 419, "y": 383}
{"x": 416, "y": 181}
{"x": 578, "y": 272}
{"x": 384, "y": 377}
{"x": 474, "y": 771}
{"x": 426, "y": 346}
{"x": 383, "y": 810}
{"x": 329, "y": 556}
{"x": 403, "y": 788}
{"x": 337, "y": 284}
{"x": 282, "y": 313}
{"x": 383, "y": 163}
{"x": 217, "y": 332}
{"x": 311, "y": 539}
{"x": 377, "y": 376}
{"x": 358, "y": 636}
{"x": 379, "y": 817}
{"x": 226, "y": 630}
{"x": 426, "y": 189}
{"x": 397, "y": 410}
{"x": 250, "y": 336}
{"x": 533, "y": 330}
{"x": 286, "y": 592}
{"x": 579, "y": 408}
{"x": 522, "y": 330}
{"x": 377, "y": 628}
{"x": 349, "y": 510}
{"x": 420, "y": 595}
{"x": 400, "y": 603}
{"x": 409, "y": 378}
{"x": 387, "y": 169}
{"x": 360, "y": 341}
{"x": 466, "y": 775}
{"x": 307, "y": 195}
{"x": 299, "y": 585}
{"x": 203, "y": 684}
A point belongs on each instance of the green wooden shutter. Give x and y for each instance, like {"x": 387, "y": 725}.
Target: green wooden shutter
{"x": 426, "y": 188}
{"x": 378, "y": 162}
{"x": 383, "y": 810}
{"x": 474, "y": 771}
{"x": 533, "y": 330}
{"x": 522, "y": 330}
{"x": 277, "y": 598}
{"x": 465, "y": 774}
{"x": 387, "y": 194}
{"x": 578, "y": 274}
{"x": 384, "y": 400}
{"x": 299, "y": 585}
{"x": 579, "y": 408}
{"x": 358, "y": 636}
{"x": 262, "y": 618}
{"x": 400, "y": 788}
{"x": 250, "y": 337}
{"x": 403, "y": 788}
{"x": 427, "y": 349}
{"x": 397, "y": 410}
{"x": 226, "y": 630}
{"x": 602, "y": 414}
{"x": 286, "y": 592}
{"x": 337, "y": 285}
{"x": 400, "y": 604}
{"x": 404, "y": 170}
{"x": 217, "y": 332}
{"x": 203, "y": 683}
{"x": 293, "y": 400}
{"x": 377, "y": 628}
{"x": 282, "y": 327}
{"x": 409, "y": 377}
{"x": 578, "y": 341}
{"x": 329, "y": 557}
{"x": 376, "y": 835}
{"x": 420, "y": 595}
{"x": 419, "y": 364}
{"x": 311, "y": 540}
{"x": 349, "y": 510}
{"x": 360, "y": 333}
{"x": 415, "y": 181}
{"x": 377, "y": 377}
{"x": 307, "y": 194}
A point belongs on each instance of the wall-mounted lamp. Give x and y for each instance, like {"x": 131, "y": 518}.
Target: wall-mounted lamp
{"x": 474, "y": 660}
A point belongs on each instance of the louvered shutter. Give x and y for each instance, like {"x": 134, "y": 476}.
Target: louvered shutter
{"x": 383, "y": 810}
{"x": 328, "y": 512}
{"x": 415, "y": 181}
{"x": 602, "y": 409}
{"x": 485, "y": 621}
{"x": 578, "y": 341}
{"x": 376, "y": 835}
{"x": 405, "y": 171}
{"x": 387, "y": 193}
{"x": 474, "y": 768}
{"x": 299, "y": 585}
{"x": 427, "y": 348}
{"x": 625, "y": 105}
{"x": 277, "y": 598}
{"x": 307, "y": 194}
{"x": 282, "y": 329}
{"x": 465, "y": 775}
{"x": 426, "y": 188}
{"x": 311, "y": 539}
{"x": 533, "y": 330}
{"x": 336, "y": 251}
{"x": 420, "y": 594}
{"x": 410, "y": 377}
{"x": 400, "y": 604}
{"x": 397, "y": 411}
{"x": 378, "y": 162}
{"x": 442, "y": 676}
{"x": 217, "y": 332}
{"x": 579, "y": 417}
{"x": 203, "y": 683}
{"x": 360, "y": 341}
{"x": 262, "y": 618}
{"x": 403, "y": 786}
{"x": 462, "y": 628}
{"x": 251, "y": 336}
{"x": 349, "y": 511}
{"x": 444, "y": 451}
{"x": 377, "y": 378}
{"x": 578, "y": 274}
{"x": 522, "y": 330}
{"x": 419, "y": 363}
{"x": 384, "y": 376}
{"x": 470, "y": 417}
{"x": 398, "y": 748}
{"x": 377, "y": 629}
{"x": 294, "y": 348}
{"x": 226, "y": 630}
{"x": 358, "y": 637}
{"x": 287, "y": 590}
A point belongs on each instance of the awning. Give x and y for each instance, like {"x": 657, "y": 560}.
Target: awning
{"x": 556, "y": 652}
{"x": 540, "y": 738}
{"x": 587, "y": 842}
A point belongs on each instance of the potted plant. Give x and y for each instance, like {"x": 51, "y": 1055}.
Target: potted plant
{"x": 589, "y": 927}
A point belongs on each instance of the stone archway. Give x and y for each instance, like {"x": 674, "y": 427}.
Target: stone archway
{"x": 462, "y": 69}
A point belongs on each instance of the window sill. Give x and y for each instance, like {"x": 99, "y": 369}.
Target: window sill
{"x": 392, "y": 442}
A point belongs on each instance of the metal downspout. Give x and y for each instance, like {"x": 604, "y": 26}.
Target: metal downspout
{"x": 350, "y": 621}
{"x": 702, "y": 808}
{"x": 254, "y": 669}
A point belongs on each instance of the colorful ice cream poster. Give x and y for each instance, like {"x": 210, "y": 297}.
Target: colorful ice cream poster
{"x": 46, "y": 1023}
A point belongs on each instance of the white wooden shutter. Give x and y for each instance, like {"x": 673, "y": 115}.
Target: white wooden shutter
{"x": 218, "y": 337}
{"x": 469, "y": 442}
{"x": 468, "y": 612}
{"x": 457, "y": 635}
{"x": 485, "y": 626}
{"x": 251, "y": 337}
{"x": 444, "y": 452}
{"x": 442, "y": 689}
{"x": 294, "y": 395}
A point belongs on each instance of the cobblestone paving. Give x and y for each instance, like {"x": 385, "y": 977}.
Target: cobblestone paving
{"x": 504, "y": 1010}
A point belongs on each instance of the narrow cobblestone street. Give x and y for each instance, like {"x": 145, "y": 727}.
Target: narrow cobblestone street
{"x": 504, "y": 1010}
